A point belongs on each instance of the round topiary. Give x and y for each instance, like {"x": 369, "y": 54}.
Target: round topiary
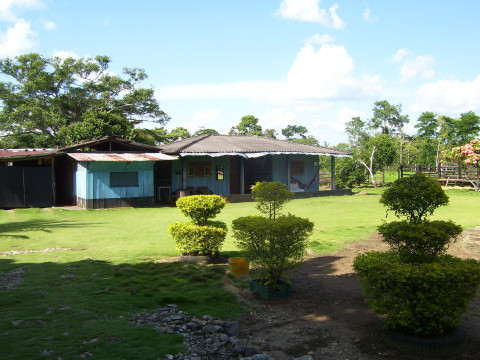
{"x": 418, "y": 299}
{"x": 415, "y": 197}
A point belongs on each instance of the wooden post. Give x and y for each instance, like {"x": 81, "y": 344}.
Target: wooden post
{"x": 54, "y": 185}
{"x": 332, "y": 168}
{"x": 288, "y": 172}
{"x": 242, "y": 175}
{"x": 184, "y": 173}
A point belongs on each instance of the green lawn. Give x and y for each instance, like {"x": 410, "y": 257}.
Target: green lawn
{"x": 78, "y": 300}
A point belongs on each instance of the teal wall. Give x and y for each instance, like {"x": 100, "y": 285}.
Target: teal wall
{"x": 92, "y": 180}
{"x": 222, "y": 187}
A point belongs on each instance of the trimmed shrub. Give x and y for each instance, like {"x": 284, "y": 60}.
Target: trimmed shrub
{"x": 275, "y": 245}
{"x": 418, "y": 299}
{"x": 201, "y": 208}
{"x": 201, "y": 236}
{"x": 193, "y": 239}
{"x": 415, "y": 197}
{"x": 270, "y": 197}
{"x": 419, "y": 242}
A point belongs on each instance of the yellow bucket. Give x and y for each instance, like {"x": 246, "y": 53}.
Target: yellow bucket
{"x": 238, "y": 266}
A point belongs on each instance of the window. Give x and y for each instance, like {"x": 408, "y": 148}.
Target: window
{"x": 124, "y": 179}
{"x": 297, "y": 168}
{"x": 220, "y": 172}
{"x": 199, "y": 169}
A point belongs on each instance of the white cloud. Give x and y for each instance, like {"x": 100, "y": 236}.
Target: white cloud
{"x": 10, "y": 8}
{"x": 17, "y": 39}
{"x": 277, "y": 119}
{"x": 49, "y": 25}
{"x": 309, "y": 11}
{"x": 449, "y": 96}
{"x": 204, "y": 118}
{"x": 326, "y": 74}
{"x": 400, "y": 55}
{"x": 64, "y": 54}
{"x": 345, "y": 115}
{"x": 367, "y": 16}
{"x": 421, "y": 65}
{"x": 319, "y": 39}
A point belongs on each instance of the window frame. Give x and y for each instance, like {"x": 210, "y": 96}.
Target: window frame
{"x": 130, "y": 180}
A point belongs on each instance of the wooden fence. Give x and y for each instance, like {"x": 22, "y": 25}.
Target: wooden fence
{"x": 443, "y": 173}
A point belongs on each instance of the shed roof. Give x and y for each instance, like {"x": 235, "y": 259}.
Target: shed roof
{"x": 125, "y": 157}
{"x": 111, "y": 143}
{"x": 248, "y": 146}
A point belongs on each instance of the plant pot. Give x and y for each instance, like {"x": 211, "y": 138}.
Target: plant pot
{"x": 449, "y": 345}
{"x": 280, "y": 290}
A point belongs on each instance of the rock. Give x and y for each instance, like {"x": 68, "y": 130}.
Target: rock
{"x": 17, "y": 323}
{"x": 304, "y": 357}
{"x": 232, "y": 328}
{"x": 261, "y": 357}
{"x": 211, "y": 329}
{"x": 250, "y": 351}
{"x": 47, "y": 352}
{"x": 205, "y": 338}
{"x": 41, "y": 323}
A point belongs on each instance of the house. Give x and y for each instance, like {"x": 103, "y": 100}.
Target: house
{"x": 115, "y": 172}
{"x": 101, "y": 173}
{"x": 230, "y": 165}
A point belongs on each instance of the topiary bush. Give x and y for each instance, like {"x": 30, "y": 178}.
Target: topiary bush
{"x": 419, "y": 289}
{"x": 419, "y": 242}
{"x": 201, "y": 236}
{"x": 415, "y": 197}
{"x": 193, "y": 239}
{"x": 276, "y": 246}
{"x": 270, "y": 197}
{"x": 201, "y": 208}
{"x": 418, "y": 299}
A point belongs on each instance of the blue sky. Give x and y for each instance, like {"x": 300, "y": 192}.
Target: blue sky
{"x": 315, "y": 63}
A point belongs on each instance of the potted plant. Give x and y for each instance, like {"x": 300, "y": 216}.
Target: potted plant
{"x": 275, "y": 244}
{"x": 420, "y": 290}
{"x": 201, "y": 236}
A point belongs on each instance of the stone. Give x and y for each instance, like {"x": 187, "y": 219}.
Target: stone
{"x": 232, "y": 328}
{"x": 261, "y": 357}
{"x": 304, "y": 357}
{"x": 17, "y": 323}
{"x": 250, "y": 351}
{"x": 211, "y": 329}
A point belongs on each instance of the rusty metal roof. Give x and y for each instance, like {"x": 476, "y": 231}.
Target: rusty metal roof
{"x": 125, "y": 157}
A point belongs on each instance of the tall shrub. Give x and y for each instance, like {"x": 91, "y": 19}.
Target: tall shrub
{"x": 419, "y": 289}
{"x": 200, "y": 236}
{"x": 275, "y": 243}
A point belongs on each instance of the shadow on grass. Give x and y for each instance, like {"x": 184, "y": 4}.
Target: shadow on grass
{"x": 37, "y": 225}
{"x": 84, "y": 307}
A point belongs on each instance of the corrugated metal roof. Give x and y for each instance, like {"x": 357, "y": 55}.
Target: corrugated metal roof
{"x": 226, "y": 144}
{"x": 125, "y": 157}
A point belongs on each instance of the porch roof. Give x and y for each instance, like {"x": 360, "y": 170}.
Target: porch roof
{"x": 246, "y": 146}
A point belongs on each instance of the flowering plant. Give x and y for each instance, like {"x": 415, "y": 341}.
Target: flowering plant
{"x": 467, "y": 155}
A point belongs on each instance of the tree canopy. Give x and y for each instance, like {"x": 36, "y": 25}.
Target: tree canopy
{"x": 54, "y": 101}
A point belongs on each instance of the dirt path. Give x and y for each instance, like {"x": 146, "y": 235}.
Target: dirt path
{"x": 326, "y": 316}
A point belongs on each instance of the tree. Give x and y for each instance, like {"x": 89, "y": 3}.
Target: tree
{"x": 379, "y": 152}
{"x": 390, "y": 120}
{"x": 53, "y": 101}
{"x": 179, "y": 133}
{"x": 248, "y": 125}
{"x": 466, "y": 128}
{"x": 292, "y": 132}
{"x": 204, "y": 131}
{"x": 270, "y": 133}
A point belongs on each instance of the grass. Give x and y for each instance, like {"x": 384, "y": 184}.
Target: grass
{"x": 79, "y": 300}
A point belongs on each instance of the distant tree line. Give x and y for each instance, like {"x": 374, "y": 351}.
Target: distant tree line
{"x": 380, "y": 143}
